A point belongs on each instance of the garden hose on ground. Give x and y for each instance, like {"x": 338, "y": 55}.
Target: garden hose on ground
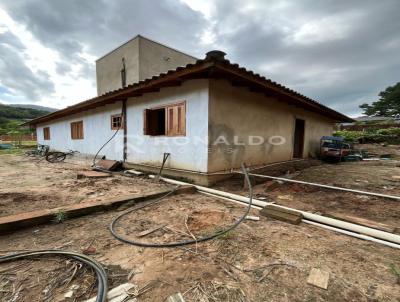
{"x": 100, "y": 272}
{"x": 185, "y": 242}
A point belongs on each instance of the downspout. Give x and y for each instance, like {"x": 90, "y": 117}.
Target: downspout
{"x": 125, "y": 128}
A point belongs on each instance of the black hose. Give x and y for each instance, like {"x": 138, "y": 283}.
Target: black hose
{"x": 185, "y": 242}
{"x": 102, "y": 285}
{"x": 110, "y": 139}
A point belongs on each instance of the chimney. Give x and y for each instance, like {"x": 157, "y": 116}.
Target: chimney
{"x": 215, "y": 55}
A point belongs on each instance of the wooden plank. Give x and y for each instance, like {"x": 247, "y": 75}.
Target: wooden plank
{"x": 362, "y": 221}
{"x": 12, "y": 223}
{"x": 149, "y": 231}
{"x": 92, "y": 174}
{"x": 289, "y": 216}
{"x": 107, "y": 164}
{"x": 318, "y": 278}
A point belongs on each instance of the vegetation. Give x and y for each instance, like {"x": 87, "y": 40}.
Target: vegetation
{"x": 60, "y": 216}
{"x": 396, "y": 272}
{"x": 387, "y": 105}
{"x": 12, "y": 117}
{"x": 388, "y": 135}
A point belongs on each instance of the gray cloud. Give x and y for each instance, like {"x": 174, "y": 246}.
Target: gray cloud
{"x": 16, "y": 76}
{"x": 341, "y": 53}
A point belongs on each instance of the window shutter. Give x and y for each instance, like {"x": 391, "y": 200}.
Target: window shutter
{"x": 146, "y": 113}
{"x": 81, "y": 129}
{"x": 181, "y": 120}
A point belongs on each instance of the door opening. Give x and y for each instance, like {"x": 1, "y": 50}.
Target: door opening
{"x": 298, "y": 143}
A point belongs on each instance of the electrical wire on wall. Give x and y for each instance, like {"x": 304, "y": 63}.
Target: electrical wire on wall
{"x": 184, "y": 242}
{"x": 110, "y": 139}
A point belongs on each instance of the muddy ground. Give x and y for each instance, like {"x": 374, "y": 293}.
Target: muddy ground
{"x": 264, "y": 260}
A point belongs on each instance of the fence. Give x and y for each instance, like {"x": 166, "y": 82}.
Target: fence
{"x": 26, "y": 137}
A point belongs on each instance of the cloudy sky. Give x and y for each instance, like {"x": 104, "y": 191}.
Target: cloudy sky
{"x": 339, "y": 52}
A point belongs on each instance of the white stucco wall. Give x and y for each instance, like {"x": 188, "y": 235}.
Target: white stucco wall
{"x": 96, "y": 131}
{"x": 188, "y": 152}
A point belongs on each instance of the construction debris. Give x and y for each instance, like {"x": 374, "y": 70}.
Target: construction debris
{"x": 70, "y": 295}
{"x": 318, "y": 278}
{"x": 92, "y": 174}
{"x": 176, "y": 298}
{"x": 118, "y": 294}
{"x": 134, "y": 172}
{"x": 279, "y": 213}
{"x": 110, "y": 165}
{"x": 253, "y": 218}
{"x": 149, "y": 231}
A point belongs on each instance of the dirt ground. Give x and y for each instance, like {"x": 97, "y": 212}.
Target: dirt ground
{"x": 28, "y": 185}
{"x": 366, "y": 176}
{"x": 264, "y": 260}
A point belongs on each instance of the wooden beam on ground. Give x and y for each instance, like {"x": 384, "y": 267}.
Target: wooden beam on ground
{"x": 278, "y": 213}
{"x": 363, "y": 222}
{"x": 12, "y": 223}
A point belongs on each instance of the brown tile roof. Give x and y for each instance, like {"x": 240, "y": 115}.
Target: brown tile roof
{"x": 213, "y": 66}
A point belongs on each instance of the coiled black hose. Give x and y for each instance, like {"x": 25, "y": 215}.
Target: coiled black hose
{"x": 185, "y": 242}
{"x": 102, "y": 285}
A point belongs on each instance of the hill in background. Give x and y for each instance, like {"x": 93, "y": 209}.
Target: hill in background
{"x": 30, "y": 106}
{"x": 12, "y": 117}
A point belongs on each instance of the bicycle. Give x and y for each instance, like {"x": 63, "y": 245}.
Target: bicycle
{"x": 58, "y": 156}
{"x": 41, "y": 151}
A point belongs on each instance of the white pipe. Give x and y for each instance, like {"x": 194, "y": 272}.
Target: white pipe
{"x": 228, "y": 199}
{"x": 324, "y": 186}
{"x": 360, "y": 236}
{"x": 318, "y": 218}
{"x": 356, "y": 235}
{"x": 213, "y": 191}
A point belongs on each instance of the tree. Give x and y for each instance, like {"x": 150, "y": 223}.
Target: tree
{"x": 387, "y": 105}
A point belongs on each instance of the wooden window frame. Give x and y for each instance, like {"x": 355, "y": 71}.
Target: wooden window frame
{"x": 75, "y": 133}
{"x": 171, "y": 110}
{"x": 121, "y": 121}
{"x": 46, "y": 133}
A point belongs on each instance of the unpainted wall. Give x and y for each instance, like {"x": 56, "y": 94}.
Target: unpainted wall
{"x": 108, "y": 68}
{"x": 156, "y": 58}
{"x": 238, "y": 119}
{"x": 144, "y": 58}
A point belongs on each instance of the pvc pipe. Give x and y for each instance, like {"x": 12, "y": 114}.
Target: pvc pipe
{"x": 360, "y": 236}
{"x": 228, "y": 199}
{"x": 324, "y": 186}
{"x": 213, "y": 191}
{"x": 314, "y": 217}
{"x": 352, "y": 234}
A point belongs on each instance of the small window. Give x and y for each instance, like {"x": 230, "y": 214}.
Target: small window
{"x": 169, "y": 120}
{"x": 116, "y": 122}
{"x": 77, "y": 130}
{"x": 46, "y": 133}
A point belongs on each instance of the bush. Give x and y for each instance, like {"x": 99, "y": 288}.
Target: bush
{"x": 388, "y": 135}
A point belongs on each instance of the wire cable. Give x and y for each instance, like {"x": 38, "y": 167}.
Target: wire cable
{"x": 184, "y": 242}
{"x": 102, "y": 283}
{"x": 110, "y": 139}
